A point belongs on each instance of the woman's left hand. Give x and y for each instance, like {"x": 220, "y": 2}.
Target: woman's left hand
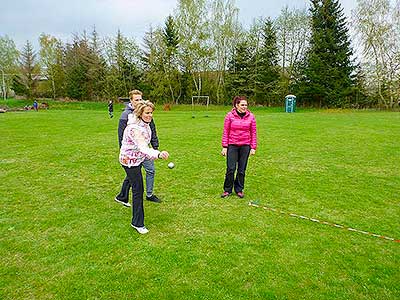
{"x": 252, "y": 151}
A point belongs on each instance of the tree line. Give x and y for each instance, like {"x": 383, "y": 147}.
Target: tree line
{"x": 203, "y": 50}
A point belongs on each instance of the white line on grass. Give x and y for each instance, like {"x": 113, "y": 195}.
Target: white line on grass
{"x": 324, "y": 222}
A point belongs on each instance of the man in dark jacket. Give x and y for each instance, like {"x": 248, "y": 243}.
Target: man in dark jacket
{"x": 148, "y": 165}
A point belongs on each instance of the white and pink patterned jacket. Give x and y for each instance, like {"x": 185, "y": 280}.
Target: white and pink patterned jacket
{"x": 135, "y": 143}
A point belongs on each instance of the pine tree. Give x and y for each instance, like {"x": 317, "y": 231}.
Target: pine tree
{"x": 124, "y": 69}
{"x": 239, "y": 70}
{"x": 30, "y": 70}
{"x": 171, "y": 37}
{"x": 76, "y": 69}
{"x": 155, "y": 81}
{"x": 96, "y": 68}
{"x": 328, "y": 72}
{"x": 265, "y": 75}
{"x": 171, "y": 41}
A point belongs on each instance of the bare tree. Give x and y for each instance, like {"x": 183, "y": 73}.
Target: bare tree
{"x": 293, "y": 35}
{"x": 8, "y": 63}
{"x": 192, "y": 20}
{"x": 378, "y": 28}
{"x": 225, "y": 30}
{"x": 50, "y": 54}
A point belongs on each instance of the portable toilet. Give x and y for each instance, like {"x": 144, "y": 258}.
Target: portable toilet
{"x": 290, "y": 103}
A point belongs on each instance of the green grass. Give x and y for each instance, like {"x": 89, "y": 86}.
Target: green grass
{"x": 13, "y": 104}
{"x": 63, "y": 237}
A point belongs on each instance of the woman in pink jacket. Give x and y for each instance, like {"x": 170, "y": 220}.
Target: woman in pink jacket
{"x": 134, "y": 150}
{"x": 239, "y": 140}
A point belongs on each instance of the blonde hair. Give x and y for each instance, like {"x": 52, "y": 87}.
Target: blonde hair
{"x": 141, "y": 105}
{"x": 134, "y": 92}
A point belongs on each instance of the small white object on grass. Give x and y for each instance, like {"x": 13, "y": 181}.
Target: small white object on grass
{"x": 171, "y": 165}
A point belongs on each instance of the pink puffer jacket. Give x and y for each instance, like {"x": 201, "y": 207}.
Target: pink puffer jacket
{"x": 239, "y": 131}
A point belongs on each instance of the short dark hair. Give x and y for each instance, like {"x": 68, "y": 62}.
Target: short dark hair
{"x": 237, "y": 99}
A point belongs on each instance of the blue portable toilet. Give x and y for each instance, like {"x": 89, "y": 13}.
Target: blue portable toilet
{"x": 290, "y": 103}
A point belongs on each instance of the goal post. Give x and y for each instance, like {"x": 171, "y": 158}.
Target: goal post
{"x": 200, "y": 103}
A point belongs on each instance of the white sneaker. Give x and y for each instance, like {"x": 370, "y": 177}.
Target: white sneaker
{"x": 127, "y": 204}
{"x": 141, "y": 230}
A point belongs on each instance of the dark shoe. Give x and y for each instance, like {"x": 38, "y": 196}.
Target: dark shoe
{"x": 127, "y": 204}
{"x": 153, "y": 198}
{"x": 240, "y": 194}
{"x": 225, "y": 194}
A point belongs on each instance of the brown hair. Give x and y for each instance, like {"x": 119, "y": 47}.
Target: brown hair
{"x": 237, "y": 99}
{"x": 135, "y": 92}
{"x": 141, "y": 105}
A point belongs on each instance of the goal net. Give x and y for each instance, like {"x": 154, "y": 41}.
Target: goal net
{"x": 200, "y": 103}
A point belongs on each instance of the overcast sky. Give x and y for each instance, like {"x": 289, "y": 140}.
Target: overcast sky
{"x": 24, "y": 20}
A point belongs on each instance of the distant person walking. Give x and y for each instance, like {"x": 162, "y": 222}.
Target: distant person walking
{"x": 239, "y": 140}
{"x": 111, "y": 108}
{"x": 35, "y": 105}
{"x": 134, "y": 150}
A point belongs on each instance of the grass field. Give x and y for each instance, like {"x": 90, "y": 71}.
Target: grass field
{"x": 63, "y": 237}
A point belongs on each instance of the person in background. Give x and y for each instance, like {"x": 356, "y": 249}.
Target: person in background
{"x": 35, "y": 105}
{"x": 111, "y": 108}
{"x": 134, "y": 150}
{"x": 239, "y": 140}
{"x": 135, "y": 96}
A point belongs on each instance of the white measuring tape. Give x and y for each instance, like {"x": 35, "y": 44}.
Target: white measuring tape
{"x": 324, "y": 222}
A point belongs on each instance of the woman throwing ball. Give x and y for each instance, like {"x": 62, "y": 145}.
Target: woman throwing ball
{"x": 239, "y": 140}
{"x": 134, "y": 150}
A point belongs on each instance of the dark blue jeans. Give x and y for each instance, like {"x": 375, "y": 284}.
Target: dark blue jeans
{"x": 134, "y": 175}
{"x": 236, "y": 160}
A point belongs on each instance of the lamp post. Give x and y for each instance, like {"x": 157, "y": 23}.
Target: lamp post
{"x": 4, "y": 84}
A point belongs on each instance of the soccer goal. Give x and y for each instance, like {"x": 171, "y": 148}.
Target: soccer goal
{"x": 200, "y": 104}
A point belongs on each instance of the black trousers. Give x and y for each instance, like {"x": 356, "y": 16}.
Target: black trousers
{"x": 236, "y": 160}
{"x": 134, "y": 175}
{"x": 124, "y": 193}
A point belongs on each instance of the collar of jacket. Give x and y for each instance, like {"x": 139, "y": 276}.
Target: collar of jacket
{"x": 132, "y": 119}
{"x": 234, "y": 112}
